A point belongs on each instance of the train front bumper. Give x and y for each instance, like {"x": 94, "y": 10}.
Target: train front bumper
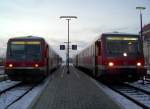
{"x": 18, "y": 73}
{"x": 123, "y": 73}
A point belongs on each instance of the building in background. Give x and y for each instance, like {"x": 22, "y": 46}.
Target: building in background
{"x": 1, "y": 61}
{"x": 146, "y": 45}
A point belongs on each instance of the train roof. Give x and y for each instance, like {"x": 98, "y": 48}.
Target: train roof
{"x": 120, "y": 33}
{"x": 116, "y": 33}
{"x": 26, "y": 37}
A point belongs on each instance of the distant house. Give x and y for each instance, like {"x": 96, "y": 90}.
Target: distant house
{"x": 146, "y": 34}
{"x": 1, "y": 61}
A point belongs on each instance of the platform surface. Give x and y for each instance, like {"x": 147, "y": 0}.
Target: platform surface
{"x": 73, "y": 91}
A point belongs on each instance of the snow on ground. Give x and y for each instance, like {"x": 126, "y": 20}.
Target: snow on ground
{"x": 8, "y": 97}
{"x": 1, "y": 67}
{"x": 6, "y": 84}
{"x": 30, "y": 98}
{"x": 122, "y": 101}
{"x": 140, "y": 85}
{"x": 1, "y": 71}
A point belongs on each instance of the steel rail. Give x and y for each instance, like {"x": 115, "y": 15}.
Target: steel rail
{"x": 11, "y": 87}
{"x": 130, "y": 89}
{"x": 14, "y": 101}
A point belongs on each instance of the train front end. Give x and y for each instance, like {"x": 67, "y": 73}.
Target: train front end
{"x": 25, "y": 59}
{"x": 123, "y": 57}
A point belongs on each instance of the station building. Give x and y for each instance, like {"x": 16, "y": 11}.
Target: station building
{"x": 146, "y": 45}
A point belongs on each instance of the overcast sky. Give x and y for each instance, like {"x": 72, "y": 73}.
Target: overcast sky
{"x": 41, "y": 18}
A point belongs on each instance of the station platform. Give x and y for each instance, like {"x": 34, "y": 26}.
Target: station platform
{"x": 73, "y": 91}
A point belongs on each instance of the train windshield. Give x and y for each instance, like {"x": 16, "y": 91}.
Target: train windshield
{"x": 119, "y": 45}
{"x": 25, "y": 51}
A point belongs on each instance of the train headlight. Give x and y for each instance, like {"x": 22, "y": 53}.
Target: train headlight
{"x": 111, "y": 64}
{"x": 138, "y": 64}
{"x": 125, "y": 54}
{"x": 36, "y": 65}
{"x": 10, "y": 65}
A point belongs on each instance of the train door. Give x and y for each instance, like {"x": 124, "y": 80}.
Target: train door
{"x": 47, "y": 59}
{"x": 92, "y": 60}
{"x": 97, "y": 57}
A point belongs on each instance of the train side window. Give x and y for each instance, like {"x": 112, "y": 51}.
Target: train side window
{"x": 90, "y": 51}
{"x": 93, "y": 50}
{"x": 96, "y": 50}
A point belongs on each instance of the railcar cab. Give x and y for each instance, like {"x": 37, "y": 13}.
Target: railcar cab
{"x": 123, "y": 48}
{"x": 123, "y": 55}
{"x": 25, "y": 56}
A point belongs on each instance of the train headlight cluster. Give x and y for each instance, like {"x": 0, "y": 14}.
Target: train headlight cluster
{"x": 10, "y": 65}
{"x": 125, "y": 54}
{"x": 110, "y": 64}
{"x": 138, "y": 64}
{"x": 36, "y": 65}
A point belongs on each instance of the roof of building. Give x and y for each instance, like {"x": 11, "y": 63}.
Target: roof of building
{"x": 146, "y": 30}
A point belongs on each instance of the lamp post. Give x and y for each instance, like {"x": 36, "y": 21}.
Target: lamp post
{"x": 68, "y": 18}
{"x": 141, "y": 31}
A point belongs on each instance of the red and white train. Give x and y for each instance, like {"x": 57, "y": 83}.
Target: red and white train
{"x": 30, "y": 58}
{"x": 114, "y": 56}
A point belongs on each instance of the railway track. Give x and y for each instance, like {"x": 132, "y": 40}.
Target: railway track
{"x": 145, "y": 87}
{"x": 14, "y": 93}
{"x": 139, "y": 96}
{"x": 10, "y": 87}
{"x": 7, "y": 85}
{"x": 2, "y": 74}
{"x": 148, "y": 79}
{"x": 18, "y": 98}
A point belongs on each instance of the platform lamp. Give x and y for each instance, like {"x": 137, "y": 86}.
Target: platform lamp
{"x": 68, "y": 18}
{"x": 140, "y": 9}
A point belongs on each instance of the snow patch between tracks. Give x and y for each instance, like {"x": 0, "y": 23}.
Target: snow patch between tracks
{"x": 29, "y": 99}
